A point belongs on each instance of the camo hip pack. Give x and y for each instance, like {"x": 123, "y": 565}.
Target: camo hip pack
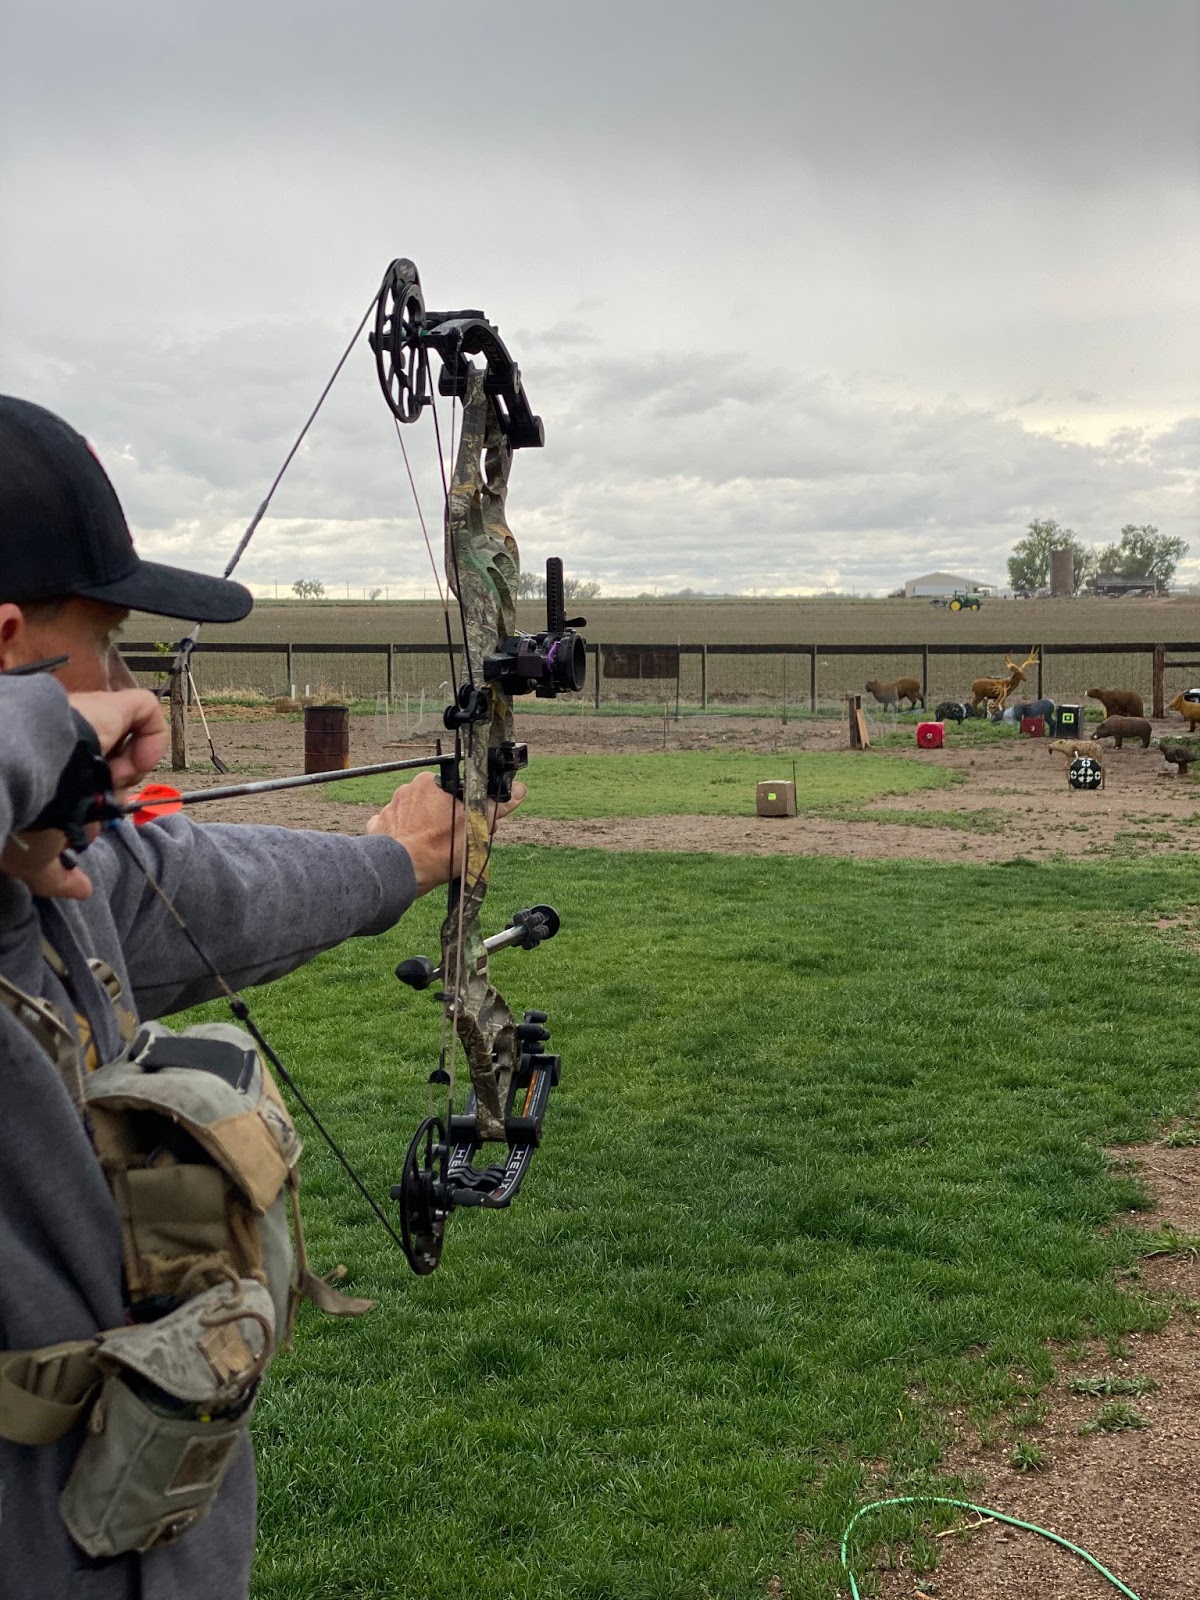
{"x": 174, "y": 1405}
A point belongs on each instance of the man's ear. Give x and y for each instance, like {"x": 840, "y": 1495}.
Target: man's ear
{"x": 12, "y": 627}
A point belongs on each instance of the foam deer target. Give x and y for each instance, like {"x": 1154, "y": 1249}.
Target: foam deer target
{"x": 999, "y": 689}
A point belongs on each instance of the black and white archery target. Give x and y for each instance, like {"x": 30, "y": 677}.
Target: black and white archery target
{"x": 951, "y": 711}
{"x": 1085, "y": 773}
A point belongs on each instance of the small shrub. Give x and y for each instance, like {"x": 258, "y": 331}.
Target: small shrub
{"x": 1106, "y": 1385}
{"x": 1168, "y": 1241}
{"x": 1027, "y": 1457}
{"x": 1114, "y": 1418}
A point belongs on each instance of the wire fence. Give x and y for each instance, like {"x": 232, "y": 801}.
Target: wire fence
{"x": 415, "y": 680}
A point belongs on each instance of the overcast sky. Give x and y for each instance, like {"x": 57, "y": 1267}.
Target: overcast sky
{"x": 808, "y": 294}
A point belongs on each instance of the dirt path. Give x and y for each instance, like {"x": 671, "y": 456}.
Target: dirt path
{"x": 1015, "y": 801}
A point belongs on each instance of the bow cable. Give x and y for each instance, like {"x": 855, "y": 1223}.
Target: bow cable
{"x": 182, "y": 664}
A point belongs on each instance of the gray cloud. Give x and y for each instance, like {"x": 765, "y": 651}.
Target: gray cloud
{"x": 1028, "y": 82}
{"x": 807, "y": 294}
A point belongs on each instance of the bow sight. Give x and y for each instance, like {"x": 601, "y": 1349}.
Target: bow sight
{"x": 546, "y": 663}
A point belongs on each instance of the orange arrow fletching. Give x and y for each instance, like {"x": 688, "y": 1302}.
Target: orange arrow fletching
{"x": 154, "y": 801}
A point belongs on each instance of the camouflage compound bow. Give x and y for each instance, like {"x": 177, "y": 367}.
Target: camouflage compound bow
{"x": 511, "y": 1072}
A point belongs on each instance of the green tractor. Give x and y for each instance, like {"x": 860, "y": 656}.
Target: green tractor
{"x": 958, "y": 601}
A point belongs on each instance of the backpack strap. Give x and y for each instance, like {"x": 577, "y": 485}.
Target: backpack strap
{"x": 41, "y": 1020}
{"x": 125, "y": 1018}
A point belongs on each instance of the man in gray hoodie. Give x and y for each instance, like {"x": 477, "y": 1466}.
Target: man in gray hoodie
{"x": 260, "y": 902}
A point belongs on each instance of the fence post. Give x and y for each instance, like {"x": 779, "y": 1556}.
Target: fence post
{"x": 678, "y": 675}
{"x": 1041, "y": 661}
{"x": 704, "y": 677}
{"x": 1158, "y": 672}
{"x": 391, "y": 677}
{"x": 812, "y": 680}
{"x": 924, "y": 675}
{"x": 178, "y": 723}
{"x": 291, "y": 672}
{"x": 596, "y": 647}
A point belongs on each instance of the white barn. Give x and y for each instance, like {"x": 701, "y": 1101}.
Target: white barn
{"x": 938, "y": 583}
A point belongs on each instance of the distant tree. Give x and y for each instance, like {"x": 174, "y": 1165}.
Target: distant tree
{"x": 308, "y": 589}
{"x": 1029, "y": 564}
{"x": 579, "y": 589}
{"x": 530, "y": 586}
{"x": 1143, "y": 552}
{"x": 373, "y": 594}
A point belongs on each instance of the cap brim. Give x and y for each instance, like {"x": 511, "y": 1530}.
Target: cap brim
{"x": 174, "y": 592}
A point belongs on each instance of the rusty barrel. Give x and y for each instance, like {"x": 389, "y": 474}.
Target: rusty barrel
{"x": 326, "y": 738}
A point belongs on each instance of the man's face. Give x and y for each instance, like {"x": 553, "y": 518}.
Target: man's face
{"x": 83, "y": 630}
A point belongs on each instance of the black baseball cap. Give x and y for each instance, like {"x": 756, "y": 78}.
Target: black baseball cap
{"x": 62, "y": 530}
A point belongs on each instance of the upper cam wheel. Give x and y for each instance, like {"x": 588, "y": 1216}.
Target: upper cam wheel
{"x": 401, "y": 358}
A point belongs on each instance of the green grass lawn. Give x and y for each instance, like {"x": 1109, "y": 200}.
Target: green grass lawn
{"x": 827, "y": 1156}
{"x": 692, "y": 783}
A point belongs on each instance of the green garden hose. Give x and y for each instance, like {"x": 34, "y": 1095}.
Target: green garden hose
{"x": 984, "y": 1511}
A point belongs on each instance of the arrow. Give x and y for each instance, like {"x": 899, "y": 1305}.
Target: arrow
{"x": 163, "y": 800}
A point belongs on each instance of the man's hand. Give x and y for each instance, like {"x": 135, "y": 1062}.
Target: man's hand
{"x": 42, "y": 861}
{"x": 131, "y": 728}
{"x": 427, "y": 822}
{"x": 133, "y": 738}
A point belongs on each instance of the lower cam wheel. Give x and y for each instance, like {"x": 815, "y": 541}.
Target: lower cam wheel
{"x": 420, "y": 1195}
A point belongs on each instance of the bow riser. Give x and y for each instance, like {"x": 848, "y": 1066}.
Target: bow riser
{"x": 482, "y": 566}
